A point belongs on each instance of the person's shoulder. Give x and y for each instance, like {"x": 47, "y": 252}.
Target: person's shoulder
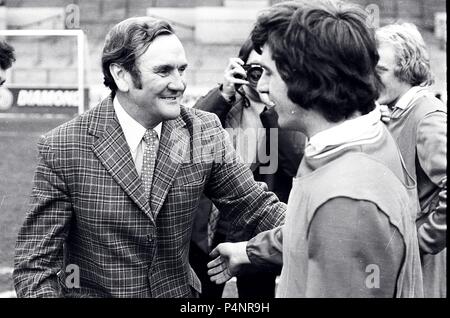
{"x": 71, "y": 125}
{"x": 427, "y": 104}
{"x": 342, "y": 211}
{"x": 334, "y": 223}
{"x": 64, "y": 129}
{"x": 360, "y": 176}
{"x": 196, "y": 117}
{"x": 76, "y": 127}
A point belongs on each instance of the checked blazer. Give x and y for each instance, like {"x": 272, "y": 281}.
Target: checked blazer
{"x": 88, "y": 208}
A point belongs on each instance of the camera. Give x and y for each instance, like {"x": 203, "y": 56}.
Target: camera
{"x": 254, "y": 72}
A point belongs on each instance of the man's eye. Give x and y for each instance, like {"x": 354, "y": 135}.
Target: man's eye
{"x": 182, "y": 69}
{"x": 164, "y": 72}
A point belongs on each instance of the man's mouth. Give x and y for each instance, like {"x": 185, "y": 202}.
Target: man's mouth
{"x": 169, "y": 98}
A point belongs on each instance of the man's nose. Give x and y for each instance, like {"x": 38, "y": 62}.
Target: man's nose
{"x": 263, "y": 86}
{"x": 177, "y": 83}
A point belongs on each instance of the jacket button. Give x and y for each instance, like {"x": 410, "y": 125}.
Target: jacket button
{"x": 149, "y": 238}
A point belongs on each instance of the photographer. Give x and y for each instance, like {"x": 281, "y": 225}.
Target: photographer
{"x": 248, "y": 115}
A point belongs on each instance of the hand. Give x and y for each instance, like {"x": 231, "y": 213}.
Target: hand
{"x": 228, "y": 259}
{"x": 229, "y": 79}
{"x": 385, "y": 114}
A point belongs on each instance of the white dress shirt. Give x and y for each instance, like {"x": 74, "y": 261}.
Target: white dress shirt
{"x": 134, "y": 133}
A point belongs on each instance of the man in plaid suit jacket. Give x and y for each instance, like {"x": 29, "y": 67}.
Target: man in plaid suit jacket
{"x": 89, "y": 209}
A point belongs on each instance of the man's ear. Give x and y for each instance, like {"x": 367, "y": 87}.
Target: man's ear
{"x": 121, "y": 77}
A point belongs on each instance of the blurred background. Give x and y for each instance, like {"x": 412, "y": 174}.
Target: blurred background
{"x": 58, "y": 47}
{"x": 211, "y": 31}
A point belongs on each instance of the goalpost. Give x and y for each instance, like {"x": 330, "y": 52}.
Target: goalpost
{"x": 79, "y": 34}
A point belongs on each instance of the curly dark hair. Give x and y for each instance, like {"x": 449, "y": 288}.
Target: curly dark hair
{"x": 325, "y": 52}
{"x": 246, "y": 49}
{"x": 7, "y": 56}
{"x": 126, "y": 42}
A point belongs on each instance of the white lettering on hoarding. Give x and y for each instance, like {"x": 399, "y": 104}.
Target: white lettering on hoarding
{"x": 48, "y": 98}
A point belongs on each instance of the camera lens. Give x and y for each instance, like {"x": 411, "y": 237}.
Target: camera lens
{"x": 254, "y": 73}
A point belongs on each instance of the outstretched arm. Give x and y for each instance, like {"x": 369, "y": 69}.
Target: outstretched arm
{"x": 264, "y": 250}
{"x": 228, "y": 259}
{"x": 243, "y": 202}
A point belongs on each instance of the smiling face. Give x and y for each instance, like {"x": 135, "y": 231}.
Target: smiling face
{"x": 162, "y": 74}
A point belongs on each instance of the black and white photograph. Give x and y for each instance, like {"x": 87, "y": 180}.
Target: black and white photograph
{"x": 231, "y": 152}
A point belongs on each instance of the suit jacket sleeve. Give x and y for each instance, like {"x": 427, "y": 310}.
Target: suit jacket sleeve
{"x": 214, "y": 102}
{"x": 266, "y": 248}
{"x": 39, "y": 247}
{"x": 432, "y": 155}
{"x": 245, "y": 203}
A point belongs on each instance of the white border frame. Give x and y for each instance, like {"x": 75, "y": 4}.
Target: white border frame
{"x": 80, "y": 52}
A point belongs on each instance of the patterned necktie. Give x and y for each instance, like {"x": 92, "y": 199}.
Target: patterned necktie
{"x": 148, "y": 165}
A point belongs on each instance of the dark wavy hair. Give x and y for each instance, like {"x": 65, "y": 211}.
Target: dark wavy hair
{"x": 325, "y": 52}
{"x": 246, "y": 49}
{"x": 7, "y": 56}
{"x": 126, "y": 42}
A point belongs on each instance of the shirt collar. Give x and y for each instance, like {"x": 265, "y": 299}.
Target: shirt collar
{"x": 359, "y": 129}
{"x": 405, "y": 100}
{"x": 133, "y": 131}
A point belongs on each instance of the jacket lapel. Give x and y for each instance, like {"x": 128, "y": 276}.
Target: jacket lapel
{"x": 171, "y": 153}
{"x": 112, "y": 150}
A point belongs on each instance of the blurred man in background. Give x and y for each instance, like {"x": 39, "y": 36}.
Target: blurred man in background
{"x": 7, "y": 58}
{"x": 418, "y": 122}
